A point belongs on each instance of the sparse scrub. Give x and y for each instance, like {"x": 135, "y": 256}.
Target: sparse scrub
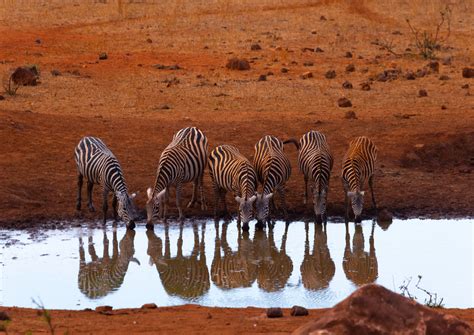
{"x": 9, "y": 84}
{"x": 428, "y": 43}
{"x": 432, "y": 300}
{"x": 386, "y": 45}
{"x": 45, "y": 313}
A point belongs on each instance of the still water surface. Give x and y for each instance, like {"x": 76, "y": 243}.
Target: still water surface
{"x": 297, "y": 264}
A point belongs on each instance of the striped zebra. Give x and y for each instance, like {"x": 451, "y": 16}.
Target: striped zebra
{"x": 273, "y": 171}
{"x": 317, "y": 268}
{"x": 98, "y": 164}
{"x": 102, "y": 276}
{"x": 183, "y": 276}
{"x": 361, "y": 267}
{"x": 315, "y": 162}
{"x": 233, "y": 269}
{"x": 358, "y": 166}
{"x": 182, "y": 161}
{"x": 231, "y": 171}
{"x": 274, "y": 266}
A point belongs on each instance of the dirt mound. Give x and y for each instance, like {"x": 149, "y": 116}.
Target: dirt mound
{"x": 373, "y": 309}
{"x": 457, "y": 150}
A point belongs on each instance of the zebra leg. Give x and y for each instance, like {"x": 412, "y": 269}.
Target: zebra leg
{"x": 105, "y": 205}
{"x": 281, "y": 191}
{"x": 90, "y": 186}
{"x": 114, "y": 206}
{"x": 217, "y": 195}
{"x": 346, "y": 202}
{"x": 178, "y": 201}
{"x": 201, "y": 193}
{"x": 193, "y": 199}
{"x": 80, "y": 178}
{"x": 305, "y": 190}
{"x": 371, "y": 184}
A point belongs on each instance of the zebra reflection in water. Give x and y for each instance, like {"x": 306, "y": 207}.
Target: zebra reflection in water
{"x": 317, "y": 268}
{"x": 186, "y": 277}
{"x": 258, "y": 260}
{"x": 360, "y": 266}
{"x": 233, "y": 269}
{"x": 101, "y": 276}
{"x": 274, "y": 266}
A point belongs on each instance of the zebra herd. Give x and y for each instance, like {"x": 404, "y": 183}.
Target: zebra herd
{"x": 185, "y": 158}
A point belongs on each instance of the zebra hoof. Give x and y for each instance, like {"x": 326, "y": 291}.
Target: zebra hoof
{"x": 245, "y": 227}
{"x": 131, "y": 225}
{"x": 149, "y": 226}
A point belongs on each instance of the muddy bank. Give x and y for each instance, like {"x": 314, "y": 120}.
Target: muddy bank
{"x": 188, "y": 319}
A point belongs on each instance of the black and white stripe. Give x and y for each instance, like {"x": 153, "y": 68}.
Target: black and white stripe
{"x": 315, "y": 162}
{"x": 231, "y": 171}
{"x": 101, "y": 276}
{"x": 183, "y": 161}
{"x": 357, "y": 167}
{"x": 98, "y": 165}
{"x": 273, "y": 171}
{"x": 183, "y": 276}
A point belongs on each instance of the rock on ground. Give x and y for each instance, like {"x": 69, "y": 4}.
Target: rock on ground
{"x": 373, "y": 309}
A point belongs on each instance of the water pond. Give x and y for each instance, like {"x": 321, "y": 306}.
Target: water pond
{"x": 201, "y": 263}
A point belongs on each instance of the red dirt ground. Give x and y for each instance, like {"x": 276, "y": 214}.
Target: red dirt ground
{"x": 425, "y": 143}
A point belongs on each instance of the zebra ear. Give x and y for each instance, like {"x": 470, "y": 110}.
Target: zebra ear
{"x": 238, "y": 199}
{"x": 362, "y": 192}
{"x": 252, "y": 198}
{"x": 350, "y": 194}
{"x": 269, "y": 196}
{"x": 133, "y": 195}
{"x": 149, "y": 192}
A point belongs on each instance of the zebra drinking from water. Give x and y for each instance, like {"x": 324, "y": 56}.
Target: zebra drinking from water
{"x": 99, "y": 165}
{"x": 273, "y": 171}
{"x": 231, "y": 171}
{"x": 183, "y": 161}
{"x": 357, "y": 167}
{"x": 315, "y": 162}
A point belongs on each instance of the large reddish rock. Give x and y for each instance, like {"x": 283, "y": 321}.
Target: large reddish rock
{"x": 373, "y": 309}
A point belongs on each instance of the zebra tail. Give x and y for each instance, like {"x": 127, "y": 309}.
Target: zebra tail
{"x": 295, "y": 142}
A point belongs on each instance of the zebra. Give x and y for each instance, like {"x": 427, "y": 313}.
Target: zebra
{"x": 274, "y": 266}
{"x": 98, "y": 164}
{"x": 182, "y": 161}
{"x": 183, "y": 276}
{"x": 315, "y": 162}
{"x": 273, "y": 171}
{"x": 361, "y": 267}
{"x": 101, "y": 276}
{"x": 317, "y": 268}
{"x": 233, "y": 269}
{"x": 231, "y": 171}
{"x": 358, "y": 165}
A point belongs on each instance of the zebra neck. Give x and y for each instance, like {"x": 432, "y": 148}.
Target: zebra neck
{"x": 164, "y": 178}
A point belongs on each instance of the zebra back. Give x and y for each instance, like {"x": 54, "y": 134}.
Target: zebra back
{"x": 232, "y": 171}
{"x": 271, "y": 164}
{"x": 98, "y": 164}
{"x": 183, "y": 160}
{"x": 314, "y": 158}
{"x": 359, "y": 162}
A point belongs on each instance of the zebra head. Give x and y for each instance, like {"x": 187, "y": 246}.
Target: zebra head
{"x": 126, "y": 208}
{"x": 357, "y": 201}
{"x": 319, "y": 202}
{"x": 153, "y": 206}
{"x": 246, "y": 209}
{"x": 263, "y": 206}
